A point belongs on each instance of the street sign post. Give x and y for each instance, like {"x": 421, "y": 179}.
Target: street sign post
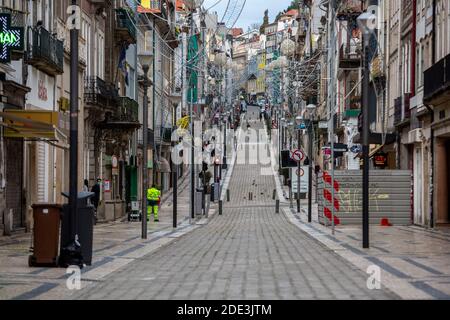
{"x": 304, "y": 177}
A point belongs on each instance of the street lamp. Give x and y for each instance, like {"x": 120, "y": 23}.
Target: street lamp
{"x": 310, "y": 108}
{"x": 216, "y": 165}
{"x": 224, "y": 165}
{"x": 298, "y": 121}
{"x": 145, "y": 59}
{"x": 366, "y": 21}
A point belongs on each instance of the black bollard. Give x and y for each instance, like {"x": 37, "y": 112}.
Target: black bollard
{"x": 220, "y": 207}
{"x": 277, "y": 206}
{"x": 228, "y": 195}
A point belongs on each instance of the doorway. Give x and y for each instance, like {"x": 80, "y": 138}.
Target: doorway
{"x": 418, "y": 186}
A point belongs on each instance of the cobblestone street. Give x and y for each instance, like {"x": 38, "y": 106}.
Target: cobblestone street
{"x": 247, "y": 253}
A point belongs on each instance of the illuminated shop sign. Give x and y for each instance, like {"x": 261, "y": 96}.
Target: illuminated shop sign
{"x": 11, "y": 38}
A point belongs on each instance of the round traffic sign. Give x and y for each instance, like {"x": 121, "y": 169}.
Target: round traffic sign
{"x": 297, "y": 155}
{"x": 301, "y": 173}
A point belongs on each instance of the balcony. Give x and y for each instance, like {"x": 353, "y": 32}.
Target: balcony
{"x": 151, "y": 6}
{"x": 437, "y": 83}
{"x": 45, "y": 51}
{"x": 376, "y": 69}
{"x": 125, "y": 117}
{"x": 158, "y": 8}
{"x": 125, "y": 27}
{"x": 402, "y": 111}
{"x": 349, "y": 8}
{"x": 163, "y": 135}
{"x": 350, "y": 55}
{"x": 99, "y": 93}
{"x": 174, "y": 91}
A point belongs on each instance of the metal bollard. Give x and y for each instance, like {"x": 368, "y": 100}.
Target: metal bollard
{"x": 228, "y": 195}
{"x": 274, "y": 194}
{"x": 277, "y": 206}
{"x": 220, "y": 207}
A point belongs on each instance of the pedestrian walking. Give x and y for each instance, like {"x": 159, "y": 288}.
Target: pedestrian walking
{"x": 154, "y": 200}
{"x": 96, "y": 197}
{"x": 85, "y": 186}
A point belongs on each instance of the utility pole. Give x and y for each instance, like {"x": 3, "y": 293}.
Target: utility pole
{"x": 154, "y": 102}
{"x": 192, "y": 127}
{"x": 365, "y": 147}
{"x": 71, "y": 252}
{"x": 144, "y": 153}
{"x": 175, "y": 187}
{"x": 299, "y": 168}
{"x": 310, "y": 171}
{"x": 311, "y": 130}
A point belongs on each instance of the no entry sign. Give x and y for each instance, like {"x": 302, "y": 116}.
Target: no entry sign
{"x": 297, "y": 155}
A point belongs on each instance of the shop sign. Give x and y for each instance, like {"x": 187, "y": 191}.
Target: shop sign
{"x": 380, "y": 160}
{"x": 11, "y": 38}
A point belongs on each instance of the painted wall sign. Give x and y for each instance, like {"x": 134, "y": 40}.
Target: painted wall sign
{"x": 11, "y": 38}
{"x": 42, "y": 91}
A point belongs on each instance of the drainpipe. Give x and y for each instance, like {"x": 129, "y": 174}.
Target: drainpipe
{"x": 413, "y": 48}
{"x": 433, "y": 43}
{"x": 431, "y": 112}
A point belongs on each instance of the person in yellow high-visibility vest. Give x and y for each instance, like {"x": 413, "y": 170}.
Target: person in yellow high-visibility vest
{"x": 153, "y": 197}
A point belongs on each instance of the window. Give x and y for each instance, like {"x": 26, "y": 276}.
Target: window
{"x": 100, "y": 55}
{"x": 86, "y": 36}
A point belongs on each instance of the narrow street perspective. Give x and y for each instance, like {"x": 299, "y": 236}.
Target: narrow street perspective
{"x": 214, "y": 153}
{"x": 249, "y": 252}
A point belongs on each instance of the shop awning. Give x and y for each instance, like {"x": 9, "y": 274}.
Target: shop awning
{"x": 376, "y": 150}
{"x": 33, "y": 125}
{"x": 30, "y": 124}
{"x": 371, "y": 153}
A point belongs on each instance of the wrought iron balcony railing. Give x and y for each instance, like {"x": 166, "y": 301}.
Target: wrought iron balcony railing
{"x": 437, "y": 82}
{"x": 350, "y": 55}
{"x": 125, "y": 26}
{"x": 127, "y": 110}
{"x": 349, "y": 7}
{"x": 402, "y": 111}
{"x": 45, "y": 51}
{"x": 18, "y": 18}
{"x": 100, "y": 93}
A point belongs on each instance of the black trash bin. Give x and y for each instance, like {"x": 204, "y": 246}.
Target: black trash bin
{"x": 85, "y": 225}
{"x": 202, "y": 191}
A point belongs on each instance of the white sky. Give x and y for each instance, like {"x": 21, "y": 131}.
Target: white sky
{"x": 253, "y": 11}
